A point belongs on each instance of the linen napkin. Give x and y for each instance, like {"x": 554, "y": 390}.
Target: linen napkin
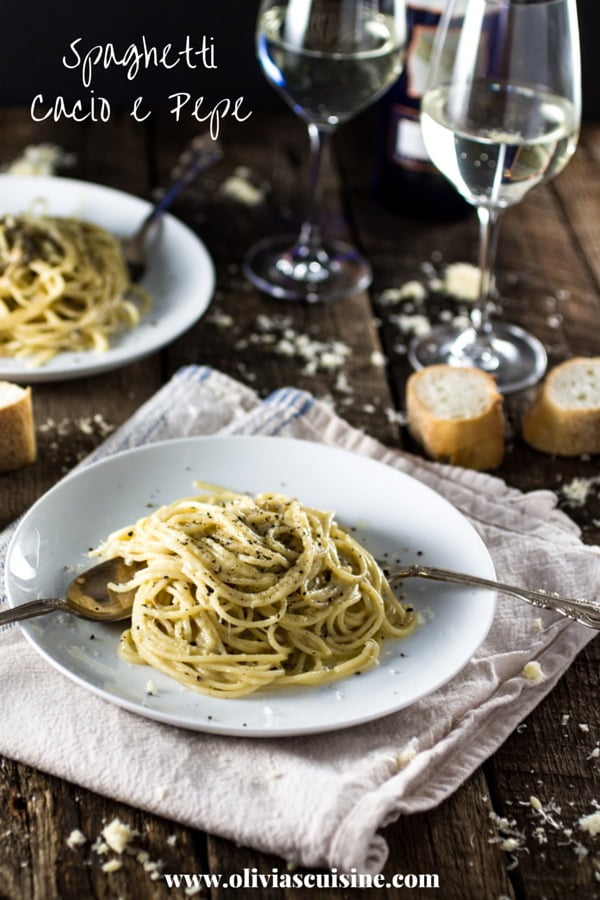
{"x": 314, "y": 800}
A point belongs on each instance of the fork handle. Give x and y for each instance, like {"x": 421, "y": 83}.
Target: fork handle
{"x": 199, "y": 155}
{"x": 30, "y": 610}
{"x": 579, "y": 610}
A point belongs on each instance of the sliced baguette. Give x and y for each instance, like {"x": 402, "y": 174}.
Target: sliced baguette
{"x": 565, "y": 415}
{"x": 17, "y": 432}
{"x": 457, "y": 415}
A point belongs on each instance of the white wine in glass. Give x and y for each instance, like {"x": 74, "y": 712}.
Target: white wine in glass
{"x": 501, "y": 115}
{"x": 329, "y": 59}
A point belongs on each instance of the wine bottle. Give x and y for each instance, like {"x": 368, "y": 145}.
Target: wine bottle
{"x": 406, "y": 179}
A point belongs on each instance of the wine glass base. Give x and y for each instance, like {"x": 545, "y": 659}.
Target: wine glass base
{"x": 514, "y": 357}
{"x": 285, "y": 269}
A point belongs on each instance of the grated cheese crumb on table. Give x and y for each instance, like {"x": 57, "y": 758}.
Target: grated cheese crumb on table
{"x": 113, "y": 865}
{"x": 118, "y": 835}
{"x": 278, "y": 333}
{"x": 462, "y": 280}
{"x": 377, "y": 359}
{"x": 412, "y": 290}
{"x": 40, "y": 159}
{"x": 395, "y": 416}
{"x": 416, "y": 324}
{"x": 86, "y": 425}
{"x": 221, "y": 319}
{"x": 241, "y": 188}
{"x": 509, "y": 838}
{"x": 577, "y": 491}
{"x": 100, "y": 847}
{"x": 512, "y": 839}
{"x": 590, "y": 823}
{"x": 326, "y": 356}
{"x": 76, "y": 839}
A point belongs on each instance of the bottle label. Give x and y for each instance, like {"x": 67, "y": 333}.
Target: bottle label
{"x": 409, "y": 147}
{"x": 417, "y": 59}
{"x": 406, "y": 147}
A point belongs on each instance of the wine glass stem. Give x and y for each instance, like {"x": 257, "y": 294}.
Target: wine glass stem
{"x": 489, "y": 222}
{"x": 310, "y": 233}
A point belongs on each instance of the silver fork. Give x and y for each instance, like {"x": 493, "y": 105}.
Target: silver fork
{"x": 581, "y": 611}
{"x": 198, "y": 156}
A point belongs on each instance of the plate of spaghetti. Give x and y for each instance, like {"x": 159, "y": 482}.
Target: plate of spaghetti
{"x": 67, "y": 306}
{"x": 263, "y": 605}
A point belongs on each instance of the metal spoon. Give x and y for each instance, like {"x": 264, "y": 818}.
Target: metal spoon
{"x": 579, "y": 610}
{"x": 201, "y": 153}
{"x": 88, "y": 595}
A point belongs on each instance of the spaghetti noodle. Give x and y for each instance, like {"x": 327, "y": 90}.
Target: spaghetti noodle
{"x": 63, "y": 286}
{"x": 236, "y": 593}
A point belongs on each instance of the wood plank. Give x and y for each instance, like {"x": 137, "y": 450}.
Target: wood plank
{"x": 72, "y": 418}
{"x": 61, "y": 409}
{"x": 350, "y": 321}
{"x": 557, "y": 299}
{"x": 418, "y": 844}
{"x": 37, "y": 862}
{"x": 578, "y": 189}
{"x": 451, "y": 842}
{"x": 229, "y": 228}
{"x": 547, "y": 237}
{"x": 549, "y": 757}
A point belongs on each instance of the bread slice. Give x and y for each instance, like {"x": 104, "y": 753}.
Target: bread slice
{"x": 565, "y": 415}
{"x": 17, "y": 432}
{"x": 457, "y": 415}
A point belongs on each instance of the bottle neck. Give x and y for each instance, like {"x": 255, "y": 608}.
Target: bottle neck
{"x": 407, "y": 180}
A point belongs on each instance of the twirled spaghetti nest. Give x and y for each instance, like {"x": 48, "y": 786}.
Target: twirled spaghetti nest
{"x": 236, "y": 593}
{"x": 63, "y": 286}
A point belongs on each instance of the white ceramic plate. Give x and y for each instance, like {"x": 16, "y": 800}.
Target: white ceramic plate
{"x": 179, "y": 277}
{"x": 394, "y": 515}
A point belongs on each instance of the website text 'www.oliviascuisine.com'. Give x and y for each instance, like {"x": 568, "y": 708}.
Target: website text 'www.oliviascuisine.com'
{"x": 252, "y": 878}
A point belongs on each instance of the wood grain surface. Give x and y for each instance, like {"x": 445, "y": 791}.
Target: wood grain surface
{"x": 549, "y": 281}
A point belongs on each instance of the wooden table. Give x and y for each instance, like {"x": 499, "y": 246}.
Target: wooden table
{"x": 549, "y": 265}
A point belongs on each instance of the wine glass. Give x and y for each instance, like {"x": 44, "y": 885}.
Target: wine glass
{"x": 329, "y": 59}
{"x": 500, "y": 115}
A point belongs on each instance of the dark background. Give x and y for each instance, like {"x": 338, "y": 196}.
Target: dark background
{"x": 35, "y": 35}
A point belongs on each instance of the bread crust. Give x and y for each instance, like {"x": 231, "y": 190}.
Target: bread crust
{"x": 555, "y": 427}
{"x": 17, "y": 433}
{"x": 474, "y": 442}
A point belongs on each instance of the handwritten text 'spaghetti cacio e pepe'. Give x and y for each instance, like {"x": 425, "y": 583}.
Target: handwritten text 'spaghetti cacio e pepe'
{"x": 134, "y": 59}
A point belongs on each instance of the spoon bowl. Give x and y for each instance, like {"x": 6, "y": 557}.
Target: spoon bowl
{"x": 89, "y": 595}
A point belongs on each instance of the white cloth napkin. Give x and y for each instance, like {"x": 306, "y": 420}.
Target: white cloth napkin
{"x": 316, "y": 800}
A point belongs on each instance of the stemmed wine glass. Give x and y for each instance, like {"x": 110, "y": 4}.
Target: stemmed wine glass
{"x": 329, "y": 59}
{"x": 500, "y": 115}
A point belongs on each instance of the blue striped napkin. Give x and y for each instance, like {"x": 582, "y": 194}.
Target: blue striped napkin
{"x": 316, "y": 800}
